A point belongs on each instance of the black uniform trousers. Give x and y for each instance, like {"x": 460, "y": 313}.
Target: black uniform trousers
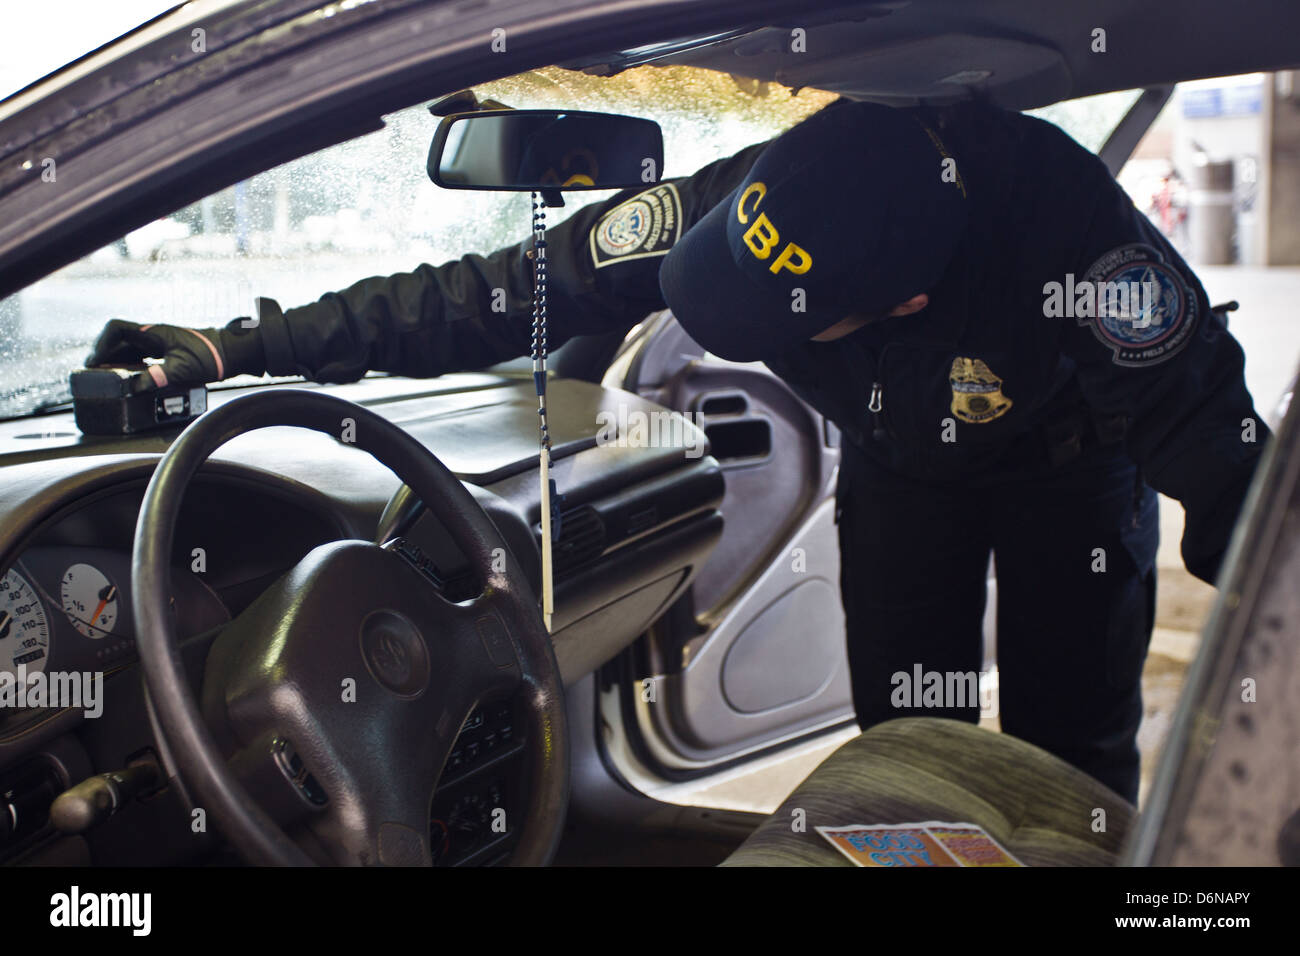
{"x": 1074, "y": 550}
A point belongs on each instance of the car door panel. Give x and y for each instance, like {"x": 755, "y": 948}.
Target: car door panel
{"x": 754, "y": 651}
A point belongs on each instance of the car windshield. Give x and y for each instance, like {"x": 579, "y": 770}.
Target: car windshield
{"x": 366, "y": 207}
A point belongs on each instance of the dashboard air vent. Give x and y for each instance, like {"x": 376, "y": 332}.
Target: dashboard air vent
{"x": 581, "y": 540}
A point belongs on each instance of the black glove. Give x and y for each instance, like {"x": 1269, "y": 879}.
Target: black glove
{"x": 190, "y": 356}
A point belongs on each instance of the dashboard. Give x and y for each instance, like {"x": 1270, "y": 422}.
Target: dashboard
{"x": 638, "y": 523}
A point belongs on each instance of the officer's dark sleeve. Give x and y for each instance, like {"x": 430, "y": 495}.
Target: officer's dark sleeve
{"x": 441, "y": 319}
{"x": 1192, "y": 426}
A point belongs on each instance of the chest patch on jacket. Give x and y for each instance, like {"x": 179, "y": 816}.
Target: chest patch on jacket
{"x": 1137, "y": 305}
{"x": 646, "y": 225}
{"x": 976, "y": 392}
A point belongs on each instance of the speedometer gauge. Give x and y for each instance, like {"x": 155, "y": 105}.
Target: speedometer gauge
{"x": 24, "y": 631}
{"x": 90, "y": 600}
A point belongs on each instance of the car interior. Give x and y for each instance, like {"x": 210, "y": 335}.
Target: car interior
{"x": 316, "y": 607}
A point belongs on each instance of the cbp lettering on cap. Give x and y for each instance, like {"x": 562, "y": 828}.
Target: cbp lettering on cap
{"x": 854, "y": 189}
{"x": 762, "y": 237}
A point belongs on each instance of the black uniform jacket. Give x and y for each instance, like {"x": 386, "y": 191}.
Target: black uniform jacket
{"x": 1065, "y": 317}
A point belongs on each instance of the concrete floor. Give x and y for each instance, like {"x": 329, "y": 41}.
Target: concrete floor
{"x": 1267, "y": 327}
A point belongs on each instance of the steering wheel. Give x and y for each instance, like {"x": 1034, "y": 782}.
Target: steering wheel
{"x": 353, "y": 773}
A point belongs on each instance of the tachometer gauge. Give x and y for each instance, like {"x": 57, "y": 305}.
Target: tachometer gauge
{"x": 89, "y": 600}
{"x": 24, "y": 631}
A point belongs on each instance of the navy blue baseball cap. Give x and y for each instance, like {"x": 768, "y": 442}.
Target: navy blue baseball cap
{"x": 855, "y": 210}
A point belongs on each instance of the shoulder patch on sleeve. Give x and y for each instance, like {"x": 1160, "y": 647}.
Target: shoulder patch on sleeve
{"x": 1138, "y": 305}
{"x": 646, "y": 225}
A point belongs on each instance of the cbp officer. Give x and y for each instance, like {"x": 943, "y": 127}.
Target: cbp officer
{"x": 1015, "y": 357}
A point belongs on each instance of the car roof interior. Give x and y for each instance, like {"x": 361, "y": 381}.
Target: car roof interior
{"x": 1021, "y": 55}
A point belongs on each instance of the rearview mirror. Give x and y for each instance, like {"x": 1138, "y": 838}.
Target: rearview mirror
{"x": 522, "y": 150}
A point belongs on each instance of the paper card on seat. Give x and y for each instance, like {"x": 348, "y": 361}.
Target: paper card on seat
{"x": 932, "y": 843}
{"x": 971, "y": 845}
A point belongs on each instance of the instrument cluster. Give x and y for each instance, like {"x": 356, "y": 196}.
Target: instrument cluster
{"x": 69, "y": 609}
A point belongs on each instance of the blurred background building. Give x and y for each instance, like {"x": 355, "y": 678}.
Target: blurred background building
{"x": 1219, "y": 171}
